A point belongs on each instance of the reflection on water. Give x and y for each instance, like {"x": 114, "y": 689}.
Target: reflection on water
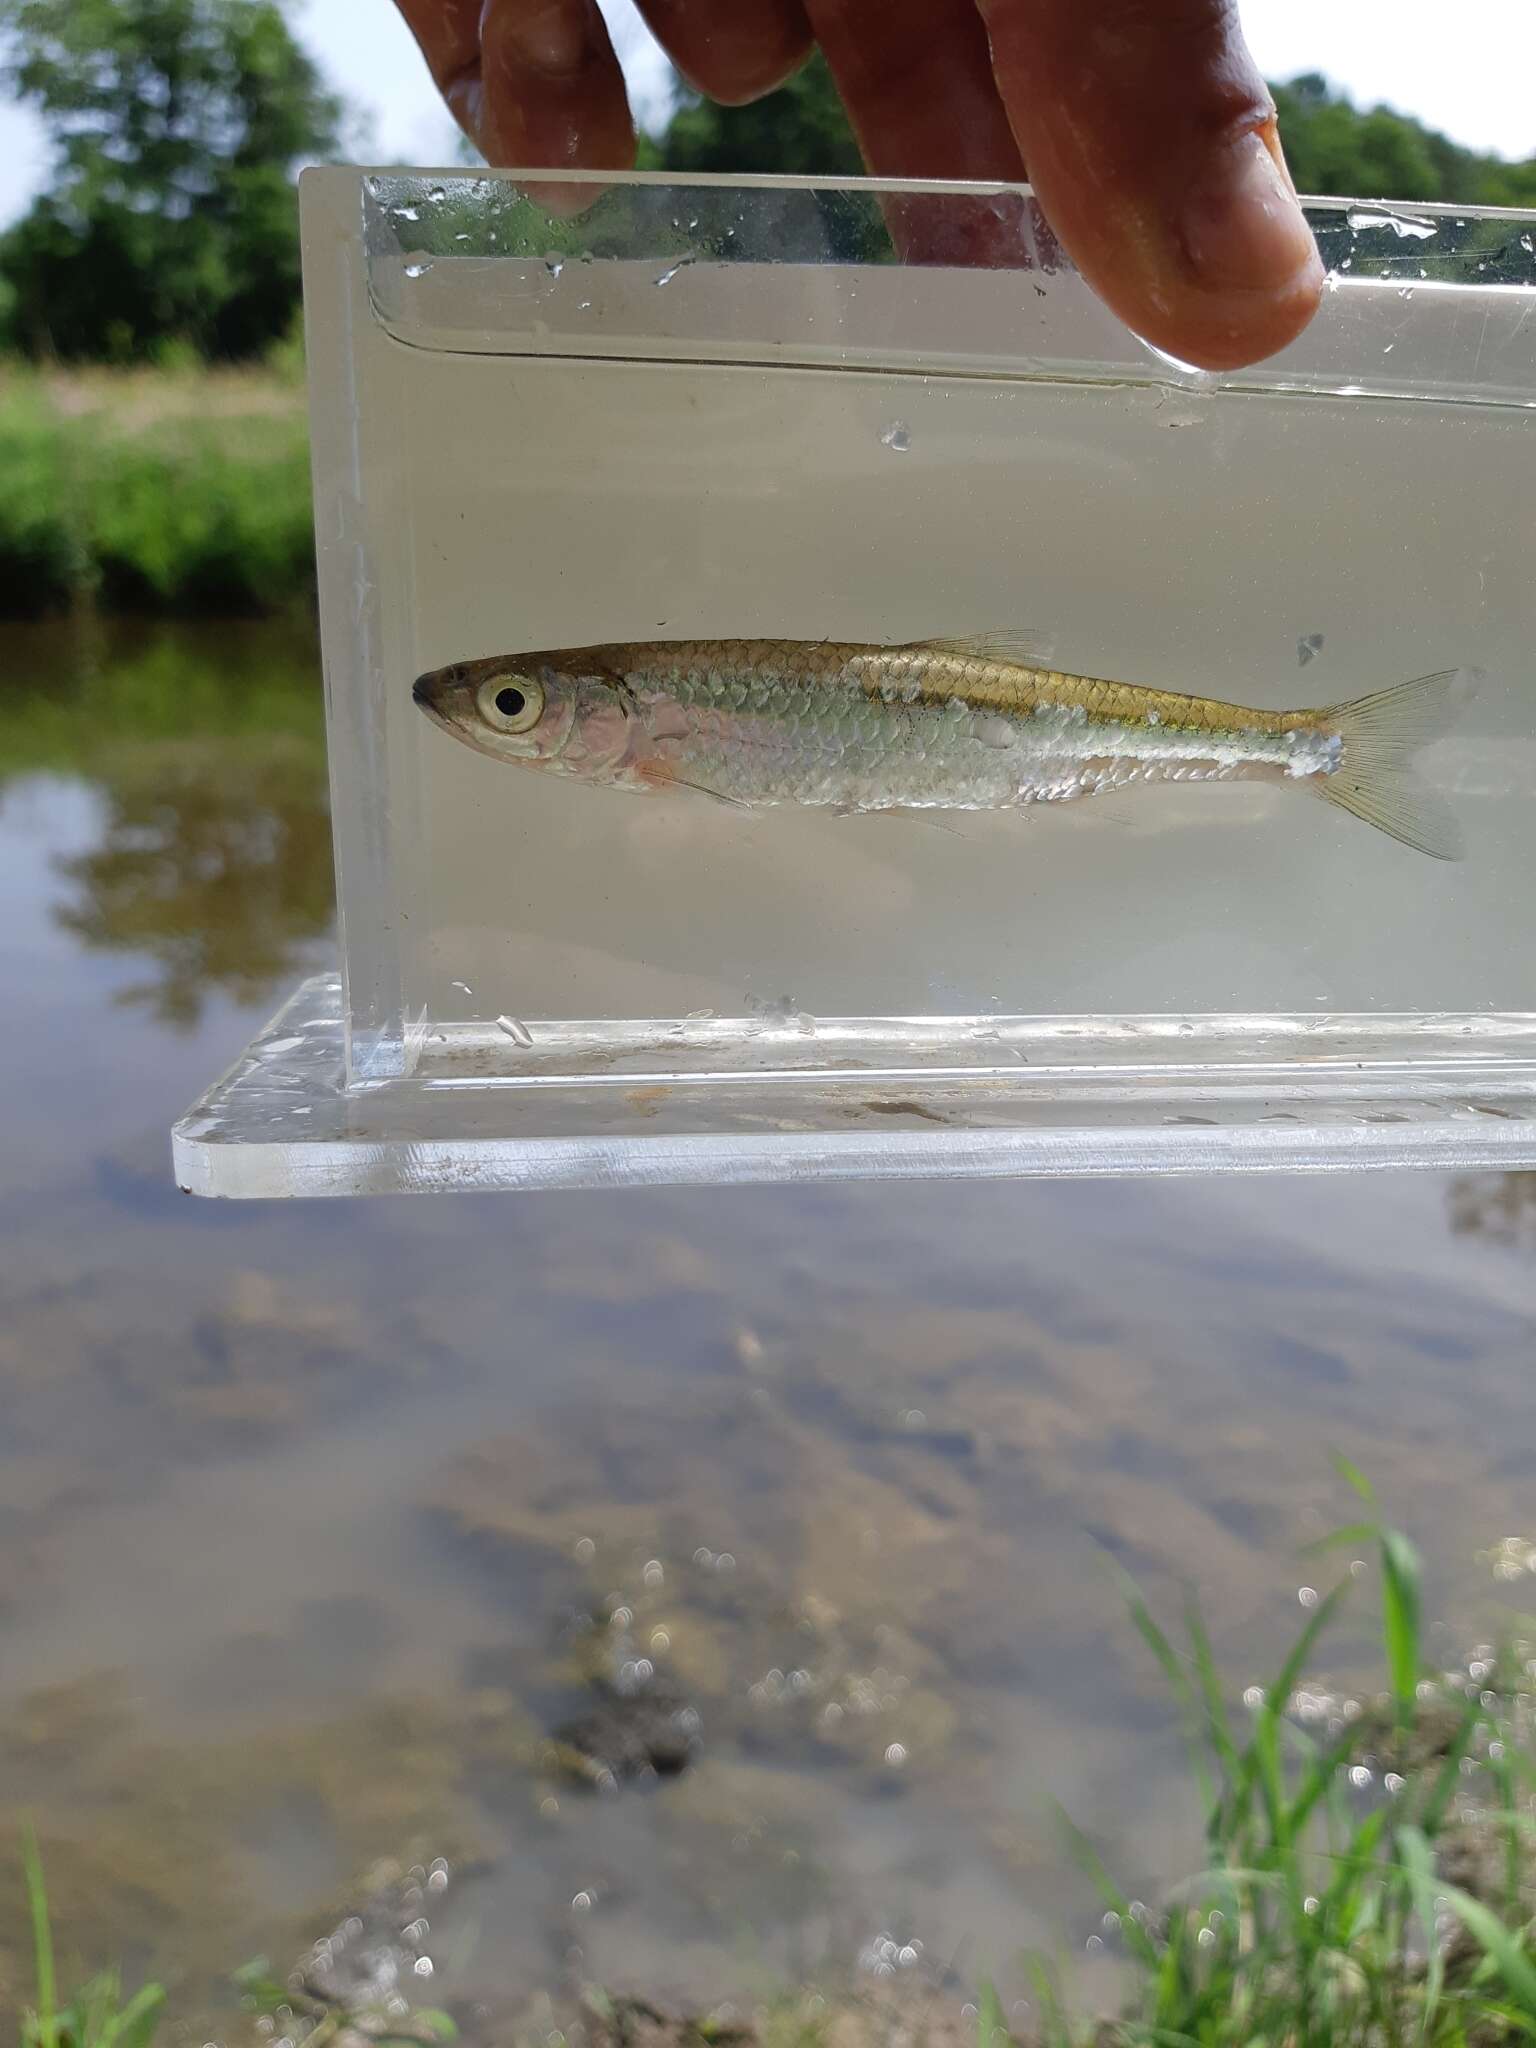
{"x": 1498, "y": 1206}
{"x": 315, "y": 1521}
{"x": 212, "y": 864}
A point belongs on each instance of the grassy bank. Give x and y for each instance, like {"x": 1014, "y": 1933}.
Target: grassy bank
{"x": 175, "y": 491}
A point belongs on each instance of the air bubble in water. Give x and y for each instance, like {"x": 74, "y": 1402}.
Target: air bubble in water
{"x": 405, "y": 213}
{"x": 672, "y": 269}
{"x": 1528, "y": 245}
{"x": 897, "y": 436}
{"x": 418, "y": 269}
{"x": 554, "y": 264}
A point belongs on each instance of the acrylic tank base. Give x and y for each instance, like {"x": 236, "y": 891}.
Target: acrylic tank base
{"x": 737, "y": 1101}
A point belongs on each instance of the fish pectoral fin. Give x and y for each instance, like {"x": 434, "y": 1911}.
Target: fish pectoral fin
{"x": 1017, "y": 645}
{"x": 703, "y": 789}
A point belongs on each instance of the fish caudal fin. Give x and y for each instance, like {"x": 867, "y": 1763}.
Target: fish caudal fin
{"x": 1375, "y": 778}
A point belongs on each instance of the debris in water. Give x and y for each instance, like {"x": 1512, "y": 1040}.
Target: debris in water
{"x": 1308, "y": 648}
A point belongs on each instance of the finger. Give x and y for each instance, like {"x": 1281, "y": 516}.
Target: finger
{"x": 734, "y": 50}
{"x": 916, "y": 77}
{"x": 552, "y": 92}
{"x": 448, "y": 33}
{"x": 1152, "y": 143}
{"x": 534, "y": 83}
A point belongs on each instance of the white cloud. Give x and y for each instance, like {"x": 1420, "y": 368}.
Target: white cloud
{"x": 1467, "y": 72}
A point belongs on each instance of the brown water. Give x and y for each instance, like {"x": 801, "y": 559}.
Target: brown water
{"x": 295, "y": 1500}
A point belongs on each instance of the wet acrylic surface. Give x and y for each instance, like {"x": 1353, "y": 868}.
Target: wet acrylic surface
{"x": 296, "y": 1501}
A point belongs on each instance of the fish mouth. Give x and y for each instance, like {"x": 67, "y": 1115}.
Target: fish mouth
{"x": 421, "y": 691}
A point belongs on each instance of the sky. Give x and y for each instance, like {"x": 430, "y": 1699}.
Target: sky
{"x": 1474, "y": 83}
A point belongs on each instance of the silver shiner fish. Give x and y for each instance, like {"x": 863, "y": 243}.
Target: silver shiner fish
{"x": 975, "y": 724}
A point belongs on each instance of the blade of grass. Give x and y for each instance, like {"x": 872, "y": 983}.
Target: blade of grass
{"x": 1400, "y": 1576}
{"x": 1448, "y": 1777}
{"x": 134, "y": 2025}
{"x": 1503, "y": 1949}
{"x": 1353, "y": 1478}
{"x": 1173, "y": 1670}
{"x": 991, "y": 2026}
{"x": 1350, "y": 1537}
{"x": 1218, "y": 1726}
{"x": 42, "y": 1943}
{"x": 1135, "y": 1934}
{"x": 1418, "y": 1863}
{"x": 1283, "y": 1686}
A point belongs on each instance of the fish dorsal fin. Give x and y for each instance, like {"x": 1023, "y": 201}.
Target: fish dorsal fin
{"x": 1017, "y": 646}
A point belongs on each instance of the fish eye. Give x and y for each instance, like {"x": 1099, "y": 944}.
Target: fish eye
{"x": 511, "y": 703}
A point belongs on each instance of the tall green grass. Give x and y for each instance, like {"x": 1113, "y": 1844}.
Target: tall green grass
{"x": 198, "y": 503}
{"x": 1334, "y": 1909}
{"x": 98, "y": 2016}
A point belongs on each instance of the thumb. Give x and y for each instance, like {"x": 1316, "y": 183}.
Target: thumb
{"x": 1151, "y": 142}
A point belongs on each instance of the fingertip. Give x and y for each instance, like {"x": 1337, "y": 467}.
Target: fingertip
{"x": 550, "y": 94}
{"x": 732, "y": 54}
{"x": 1151, "y": 142}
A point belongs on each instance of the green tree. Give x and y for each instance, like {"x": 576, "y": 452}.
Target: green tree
{"x": 1333, "y": 146}
{"x": 176, "y": 126}
{"x": 798, "y": 131}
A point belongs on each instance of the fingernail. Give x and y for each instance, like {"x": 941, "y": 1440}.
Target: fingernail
{"x": 550, "y": 36}
{"x": 1243, "y": 230}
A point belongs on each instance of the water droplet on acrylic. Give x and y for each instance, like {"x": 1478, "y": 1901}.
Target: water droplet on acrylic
{"x": 405, "y": 213}
{"x": 554, "y": 264}
{"x": 1405, "y": 226}
{"x": 1307, "y": 1595}
{"x": 418, "y": 269}
{"x": 516, "y": 1030}
{"x": 586, "y": 1550}
{"x": 1528, "y": 245}
{"x": 897, "y": 436}
{"x": 437, "y": 196}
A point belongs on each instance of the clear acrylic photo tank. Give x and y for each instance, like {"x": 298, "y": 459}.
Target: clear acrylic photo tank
{"x": 882, "y": 413}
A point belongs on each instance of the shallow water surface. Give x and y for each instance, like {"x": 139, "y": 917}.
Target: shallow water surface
{"x": 299, "y": 1504}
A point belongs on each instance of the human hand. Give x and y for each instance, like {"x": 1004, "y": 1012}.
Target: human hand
{"x": 1148, "y": 132}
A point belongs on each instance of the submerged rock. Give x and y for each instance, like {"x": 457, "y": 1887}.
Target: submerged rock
{"x": 649, "y": 1731}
